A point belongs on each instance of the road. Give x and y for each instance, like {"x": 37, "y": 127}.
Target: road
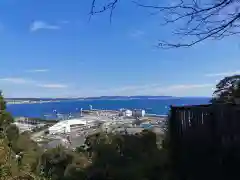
{"x": 38, "y": 134}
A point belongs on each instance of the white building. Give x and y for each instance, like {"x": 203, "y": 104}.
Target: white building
{"x": 27, "y": 124}
{"x": 65, "y": 126}
{"x": 128, "y": 113}
{"x": 125, "y": 112}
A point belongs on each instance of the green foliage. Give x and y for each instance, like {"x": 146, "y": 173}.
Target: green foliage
{"x": 104, "y": 156}
{"x": 227, "y": 89}
{"x": 12, "y": 132}
{"x": 112, "y": 157}
{"x": 54, "y": 162}
{"x": 2, "y": 102}
{"x": 13, "y": 145}
{"x": 127, "y": 157}
{"x": 5, "y": 117}
{"x": 74, "y": 172}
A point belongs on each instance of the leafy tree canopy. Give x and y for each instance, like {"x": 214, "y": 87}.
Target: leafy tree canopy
{"x": 227, "y": 90}
{"x": 12, "y": 132}
{"x": 105, "y": 156}
{"x": 5, "y": 117}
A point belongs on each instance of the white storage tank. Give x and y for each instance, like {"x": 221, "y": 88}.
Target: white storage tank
{"x": 128, "y": 113}
{"x": 139, "y": 113}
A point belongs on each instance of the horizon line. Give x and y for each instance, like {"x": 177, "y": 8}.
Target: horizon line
{"x": 104, "y": 96}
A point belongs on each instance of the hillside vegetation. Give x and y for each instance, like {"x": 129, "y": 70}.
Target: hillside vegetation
{"x": 105, "y": 156}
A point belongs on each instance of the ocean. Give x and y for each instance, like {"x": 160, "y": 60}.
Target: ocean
{"x": 152, "y": 106}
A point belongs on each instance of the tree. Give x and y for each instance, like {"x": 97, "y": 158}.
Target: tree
{"x": 2, "y": 102}
{"x": 127, "y": 157}
{"x": 12, "y": 132}
{"x": 200, "y": 20}
{"x": 5, "y": 117}
{"x": 227, "y": 90}
{"x": 74, "y": 172}
{"x": 54, "y": 162}
{"x": 18, "y": 153}
{"x": 113, "y": 156}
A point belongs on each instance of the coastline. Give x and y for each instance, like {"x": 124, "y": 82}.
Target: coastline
{"x": 113, "y": 98}
{"x": 29, "y": 102}
{"x": 46, "y": 107}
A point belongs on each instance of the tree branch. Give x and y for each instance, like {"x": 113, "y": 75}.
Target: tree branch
{"x": 200, "y": 20}
{"x": 110, "y": 6}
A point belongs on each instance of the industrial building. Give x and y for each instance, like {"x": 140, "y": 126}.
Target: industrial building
{"x": 125, "y": 112}
{"x": 138, "y": 113}
{"x": 27, "y": 124}
{"x": 91, "y": 122}
{"x": 134, "y": 113}
{"x": 65, "y": 126}
{"x": 128, "y": 113}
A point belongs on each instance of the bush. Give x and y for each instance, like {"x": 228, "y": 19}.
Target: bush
{"x": 12, "y": 132}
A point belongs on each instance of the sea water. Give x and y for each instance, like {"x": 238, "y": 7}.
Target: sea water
{"x": 152, "y": 106}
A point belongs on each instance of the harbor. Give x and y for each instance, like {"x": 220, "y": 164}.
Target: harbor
{"x": 71, "y": 130}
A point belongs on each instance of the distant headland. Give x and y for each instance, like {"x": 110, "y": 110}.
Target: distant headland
{"x": 46, "y": 100}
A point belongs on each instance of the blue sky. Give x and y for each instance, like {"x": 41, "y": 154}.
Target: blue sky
{"x": 51, "y": 49}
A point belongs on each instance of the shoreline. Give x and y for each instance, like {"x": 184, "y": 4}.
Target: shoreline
{"x": 89, "y": 112}
{"x": 29, "y": 102}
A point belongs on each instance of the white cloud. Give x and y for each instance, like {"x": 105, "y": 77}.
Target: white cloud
{"x": 38, "y": 25}
{"x": 223, "y": 74}
{"x": 16, "y": 80}
{"x": 53, "y": 86}
{"x": 187, "y": 86}
{"x": 26, "y": 87}
{"x": 37, "y": 70}
{"x": 41, "y": 89}
{"x": 137, "y": 33}
{"x": 130, "y": 88}
{"x": 157, "y": 89}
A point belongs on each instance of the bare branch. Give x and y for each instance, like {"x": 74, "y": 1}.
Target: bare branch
{"x": 110, "y": 6}
{"x": 200, "y": 20}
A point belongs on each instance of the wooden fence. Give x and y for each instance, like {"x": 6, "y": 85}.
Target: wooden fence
{"x": 205, "y": 141}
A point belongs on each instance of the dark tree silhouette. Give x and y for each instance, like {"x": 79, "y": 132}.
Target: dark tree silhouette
{"x": 200, "y": 19}
{"x": 12, "y": 132}
{"x": 227, "y": 90}
{"x": 5, "y": 117}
